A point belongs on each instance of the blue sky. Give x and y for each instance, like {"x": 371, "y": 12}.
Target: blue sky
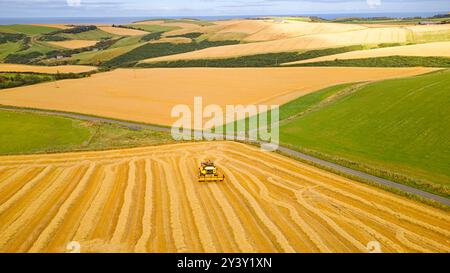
{"x": 110, "y": 8}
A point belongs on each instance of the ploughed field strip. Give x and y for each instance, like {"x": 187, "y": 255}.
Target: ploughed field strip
{"x": 149, "y": 200}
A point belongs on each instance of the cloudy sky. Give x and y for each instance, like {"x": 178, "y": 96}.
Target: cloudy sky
{"x": 110, "y": 8}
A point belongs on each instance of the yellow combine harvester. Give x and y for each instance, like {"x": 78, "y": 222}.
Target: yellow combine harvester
{"x": 208, "y": 173}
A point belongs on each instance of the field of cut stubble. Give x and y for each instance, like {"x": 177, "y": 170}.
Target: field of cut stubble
{"x": 148, "y": 200}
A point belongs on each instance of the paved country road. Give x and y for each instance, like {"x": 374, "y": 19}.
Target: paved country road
{"x": 285, "y": 150}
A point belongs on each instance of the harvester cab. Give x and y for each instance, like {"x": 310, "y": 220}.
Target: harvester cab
{"x": 208, "y": 173}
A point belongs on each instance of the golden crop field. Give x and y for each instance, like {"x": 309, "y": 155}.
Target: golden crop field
{"x": 424, "y": 50}
{"x": 46, "y": 69}
{"x": 148, "y": 95}
{"x": 73, "y": 44}
{"x": 149, "y": 200}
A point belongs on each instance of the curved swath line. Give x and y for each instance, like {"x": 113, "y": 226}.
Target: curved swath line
{"x": 400, "y": 235}
{"x": 424, "y": 241}
{"x": 52, "y": 228}
{"x": 249, "y": 166}
{"x": 71, "y": 221}
{"x": 232, "y": 219}
{"x": 355, "y": 197}
{"x": 256, "y": 231}
{"x": 91, "y": 218}
{"x": 161, "y": 240}
{"x": 339, "y": 230}
{"x": 136, "y": 225}
{"x": 175, "y": 217}
{"x": 221, "y": 233}
{"x": 375, "y": 234}
{"x": 345, "y": 193}
{"x": 258, "y": 234}
{"x": 14, "y": 177}
{"x": 193, "y": 237}
{"x": 304, "y": 226}
{"x": 383, "y": 222}
{"x": 124, "y": 216}
{"x": 30, "y": 211}
{"x": 6, "y": 173}
{"x": 266, "y": 164}
{"x": 238, "y": 231}
{"x": 45, "y": 214}
{"x": 24, "y": 190}
{"x": 133, "y": 226}
{"x": 282, "y": 241}
{"x": 100, "y": 156}
{"x": 198, "y": 212}
{"x": 354, "y": 185}
{"x": 387, "y": 210}
{"x": 390, "y": 212}
{"x": 292, "y": 185}
{"x": 141, "y": 245}
{"x": 307, "y": 230}
{"x": 108, "y": 216}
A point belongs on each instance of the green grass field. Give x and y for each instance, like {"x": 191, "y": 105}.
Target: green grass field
{"x": 127, "y": 41}
{"x": 9, "y": 48}
{"x": 94, "y": 35}
{"x": 22, "y": 133}
{"x": 27, "y": 29}
{"x": 98, "y": 57}
{"x": 397, "y": 129}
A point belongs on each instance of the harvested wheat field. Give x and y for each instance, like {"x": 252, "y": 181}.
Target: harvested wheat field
{"x": 266, "y": 30}
{"x": 122, "y": 31}
{"x": 441, "y": 49}
{"x": 149, "y": 200}
{"x": 148, "y": 95}
{"x": 46, "y": 69}
{"x": 74, "y": 44}
{"x": 358, "y": 36}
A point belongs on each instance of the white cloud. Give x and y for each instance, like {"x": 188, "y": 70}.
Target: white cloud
{"x": 74, "y": 3}
{"x": 373, "y": 3}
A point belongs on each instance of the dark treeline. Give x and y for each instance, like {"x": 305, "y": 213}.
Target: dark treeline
{"x": 16, "y": 79}
{"x": 161, "y": 49}
{"x": 191, "y": 35}
{"x": 11, "y": 37}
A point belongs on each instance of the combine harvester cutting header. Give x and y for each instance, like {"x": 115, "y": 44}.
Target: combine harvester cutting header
{"x": 208, "y": 173}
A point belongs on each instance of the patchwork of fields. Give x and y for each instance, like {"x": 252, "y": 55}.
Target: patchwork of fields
{"x": 268, "y": 203}
{"x": 367, "y": 36}
{"x": 391, "y": 121}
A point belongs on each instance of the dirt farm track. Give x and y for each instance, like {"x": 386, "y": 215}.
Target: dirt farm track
{"x": 148, "y": 200}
